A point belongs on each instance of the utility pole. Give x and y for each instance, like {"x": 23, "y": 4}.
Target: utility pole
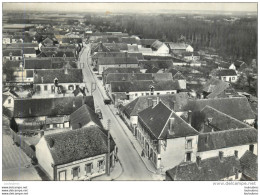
{"x": 108, "y": 146}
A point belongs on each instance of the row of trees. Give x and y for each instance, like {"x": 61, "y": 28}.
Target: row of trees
{"x": 237, "y": 40}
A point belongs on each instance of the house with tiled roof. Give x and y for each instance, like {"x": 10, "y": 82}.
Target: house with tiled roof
{"x": 134, "y": 89}
{"x": 228, "y": 75}
{"x": 217, "y": 168}
{"x": 230, "y": 142}
{"x": 112, "y": 62}
{"x": 12, "y": 54}
{"x": 177, "y": 75}
{"x": 29, "y": 52}
{"x": 249, "y": 165}
{"x": 37, "y": 111}
{"x": 215, "y": 88}
{"x": 79, "y": 154}
{"x": 237, "y": 107}
{"x": 155, "y": 66}
{"x": 84, "y": 117}
{"x": 130, "y": 111}
{"x": 52, "y": 82}
{"x": 119, "y": 70}
{"x": 159, "y": 47}
{"x": 178, "y": 48}
{"x": 147, "y": 43}
{"x": 226, "y": 65}
{"x": 166, "y": 139}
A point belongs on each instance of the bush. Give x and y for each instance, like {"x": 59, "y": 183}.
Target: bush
{"x": 94, "y": 69}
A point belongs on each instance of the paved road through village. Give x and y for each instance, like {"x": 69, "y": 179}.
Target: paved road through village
{"x": 133, "y": 166}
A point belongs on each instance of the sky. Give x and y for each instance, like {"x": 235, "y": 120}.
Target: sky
{"x": 121, "y": 7}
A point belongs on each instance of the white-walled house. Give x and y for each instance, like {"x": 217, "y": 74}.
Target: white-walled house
{"x": 55, "y": 82}
{"x": 8, "y": 99}
{"x": 228, "y": 75}
{"x": 135, "y": 89}
{"x": 166, "y": 139}
{"x": 232, "y": 141}
{"x": 12, "y": 54}
{"x": 75, "y": 155}
{"x": 159, "y": 47}
{"x": 52, "y": 112}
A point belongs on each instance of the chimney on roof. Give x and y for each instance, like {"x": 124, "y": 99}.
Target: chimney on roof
{"x": 189, "y": 117}
{"x": 198, "y": 161}
{"x": 221, "y": 154}
{"x": 171, "y": 126}
{"x": 236, "y": 153}
{"x": 42, "y": 79}
{"x": 150, "y": 102}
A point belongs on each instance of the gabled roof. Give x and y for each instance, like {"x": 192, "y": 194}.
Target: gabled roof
{"x": 225, "y": 65}
{"x": 156, "y": 45}
{"x": 224, "y": 72}
{"x": 155, "y": 119}
{"x": 14, "y": 52}
{"x": 38, "y": 63}
{"x": 147, "y": 41}
{"x": 25, "y": 108}
{"x": 178, "y": 46}
{"x": 220, "y": 121}
{"x": 83, "y": 116}
{"x": 28, "y": 50}
{"x": 237, "y": 107}
{"x": 215, "y": 87}
{"x": 12, "y": 63}
{"x": 143, "y": 86}
{"x": 160, "y": 64}
{"x": 70, "y": 146}
{"x": 226, "y": 139}
{"x": 112, "y": 61}
{"x": 127, "y": 77}
{"x": 121, "y": 70}
{"x": 48, "y": 76}
{"x": 211, "y": 169}
{"x": 98, "y": 55}
{"x": 249, "y": 165}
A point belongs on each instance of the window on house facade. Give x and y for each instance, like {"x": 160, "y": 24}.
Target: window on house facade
{"x": 188, "y": 156}
{"x": 136, "y": 94}
{"x": 9, "y": 101}
{"x": 101, "y": 164}
{"x": 62, "y": 175}
{"x": 147, "y": 93}
{"x": 224, "y": 78}
{"x": 158, "y": 93}
{"x": 173, "y": 93}
{"x": 71, "y": 87}
{"x": 142, "y": 94}
{"x": 75, "y": 172}
{"x": 89, "y": 167}
{"x": 188, "y": 144}
{"x": 233, "y": 78}
{"x": 251, "y": 148}
{"x": 45, "y": 87}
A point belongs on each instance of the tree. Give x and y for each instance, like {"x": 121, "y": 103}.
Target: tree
{"x": 9, "y": 72}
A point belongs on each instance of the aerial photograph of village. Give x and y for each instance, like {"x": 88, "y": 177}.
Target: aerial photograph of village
{"x": 129, "y": 92}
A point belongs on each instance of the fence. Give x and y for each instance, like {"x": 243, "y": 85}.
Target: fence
{"x": 24, "y": 145}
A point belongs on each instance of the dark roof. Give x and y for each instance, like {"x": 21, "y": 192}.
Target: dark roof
{"x": 70, "y": 146}
{"x": 71, "y": 40}
{"x": 225, "y": 65}
{"x": 155, "y": 119}
{"x": 211, "y": 169}
{"x": 127, "y": 77}
{"x": 156, "y": 45}
{"x": 221, "y": 121}
{"x": 14, "y": 52}
{"x": 226, "y": 139}
{"x": 129, "y": 40}
{"x": 22, "y": 45}
{"x": 83, "y": 116}
{"x": 112, "y": 61}
{"x": 224, "y": 72}
{"x": 249, "y": 164}
{"x": 147, "y": 41}
{"x": 38, "y": 63}
{"x": 73, "y": 76}
{"x": 50, "y": 106}
{"x": 237, "y": 108}
{"x": 28, "y": 50}
{"x": 121, "y": 70}
{"x": 160, "y": 64}
{"x": 98, "y": 55}
{"x": 68, "y": 53}
{"x": 126, "y": 86}
{"x": 12, "y": 63}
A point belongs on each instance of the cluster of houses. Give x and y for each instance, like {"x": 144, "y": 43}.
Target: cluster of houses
{"x": 47, "y": 102}
{"x": 205, "y": 133}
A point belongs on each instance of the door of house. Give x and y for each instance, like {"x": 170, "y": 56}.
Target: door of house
{"x": 62, "y": 176}
{"x": 75, "y": 173}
